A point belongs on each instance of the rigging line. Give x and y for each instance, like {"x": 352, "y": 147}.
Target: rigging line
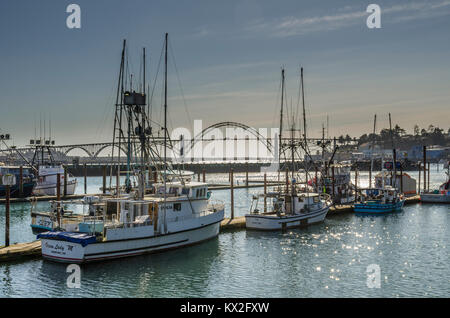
{"x": 156, "y": 77}
{"x": 179, "y": 84}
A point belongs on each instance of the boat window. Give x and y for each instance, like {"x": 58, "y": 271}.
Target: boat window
{"x": 177, "y": 206}
{"x": 185, "y": 191}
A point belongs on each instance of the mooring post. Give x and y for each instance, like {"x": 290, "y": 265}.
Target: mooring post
{"x": 65, "y": 181}
{"x": 118, "y": 183}
{"x": 424, "y": 168}
{"x": 7, "y": 216}
{"x": 21, "y": 181}
{"x": 246, "y": 174}
{"x": 198, "y": 177}
{"x": 420, "y": 170}
{"x": 316, "y": 180}
{"x": 232, "y": 193}
{"x": 204, "y": 175}
{"x": 58, "y": 198}
{"x": 287, "y": 180}
{"x": 85, "y": 178}
{"x": 265, "y": 192}
{"x": 155, "y": 176}
{"x": 401, "y": 179}
{"x": 356, "y": 184}
{"x": 332, "y": 180}
{"x": 104, "y": 179}
{"x": 428, "y": 183}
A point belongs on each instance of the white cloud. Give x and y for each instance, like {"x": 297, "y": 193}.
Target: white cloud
{"x": 290, "y": 26}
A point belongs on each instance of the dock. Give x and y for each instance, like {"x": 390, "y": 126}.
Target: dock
{"x": 20, "y": 250}
{"x": 49, "y": 198}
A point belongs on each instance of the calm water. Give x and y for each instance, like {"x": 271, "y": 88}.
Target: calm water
{"x": 324, "y": 260}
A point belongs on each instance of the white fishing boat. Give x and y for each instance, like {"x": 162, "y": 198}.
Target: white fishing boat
{"x": 177, "y": 213}
{"x": 48, "y": 178}
{"x": 139, "y": 226}
{"x": 290, "y": 207}
{"x": 288, "y": 211}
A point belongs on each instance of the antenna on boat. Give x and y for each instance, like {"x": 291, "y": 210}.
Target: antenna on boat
{"x": 371, "y": 152}
{"x": 394, "y": 155}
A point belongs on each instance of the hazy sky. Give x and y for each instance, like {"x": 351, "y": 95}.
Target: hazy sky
{"x": 228, "y": 55}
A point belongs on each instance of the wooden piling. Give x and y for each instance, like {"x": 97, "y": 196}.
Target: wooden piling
{"x": 198, "y": 177}
{"x": 7, "y": 215}
{"x": 118, "y": 184}
{"x": 420, "y": 169}
{"x": 58, "y": 198}
{"x": 332, "y": 180}
{"x": 424, "y": 168}
{"x": 265, "y": 192}
{"x": 287, "y": 180}
{"x": 85, "y": 178}
{"x": 232, "y": 193}
{"x": 428, "y": 182}
{"x": 204, "y": 175}
{"x": 65, "y": 181}
{"x": 21, "y": 182}
{"x": 246, "y": 174}
{"x": 356, "y": 184}
{"x": 317, "y": 181}
{"x": 401, "y": 179}
{"x": 104, "y": 179}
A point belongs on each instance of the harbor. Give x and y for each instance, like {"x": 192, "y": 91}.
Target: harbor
{"x": 232, "y": 151}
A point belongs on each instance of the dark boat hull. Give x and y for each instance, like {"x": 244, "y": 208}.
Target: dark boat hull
{"x": 15, "y": 191}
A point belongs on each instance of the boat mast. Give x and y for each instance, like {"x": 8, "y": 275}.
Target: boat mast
{"x": 165, "y": 126}
{"x": 281, "y": 120}
{"x": 394, "y": 156}
{"x": 304, "y": 127}
{"x": 371, "y": 152}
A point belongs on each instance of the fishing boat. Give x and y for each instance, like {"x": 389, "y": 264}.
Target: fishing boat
{"x": 290, "y": 207}
{"x": 178, "y": 213}
{"x": 441, "y": 195}
{"x": 183, "y": 216}
{"x": 48, "y": 179}
{"x": 28, "y": 181}
{"x": 288, "y": 211}
{"x": 336, "y": 182}
{"x": 379, "y": 200}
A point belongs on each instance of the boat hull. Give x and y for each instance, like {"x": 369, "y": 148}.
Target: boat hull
{"x": 68, "y": 252}
{"x": 50, "y": 188}
{"x": 434, "y": 198}
{"x": 273, "y": 222}
{"x": 377, "y": 208}
{"x": 15, "y": 190}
